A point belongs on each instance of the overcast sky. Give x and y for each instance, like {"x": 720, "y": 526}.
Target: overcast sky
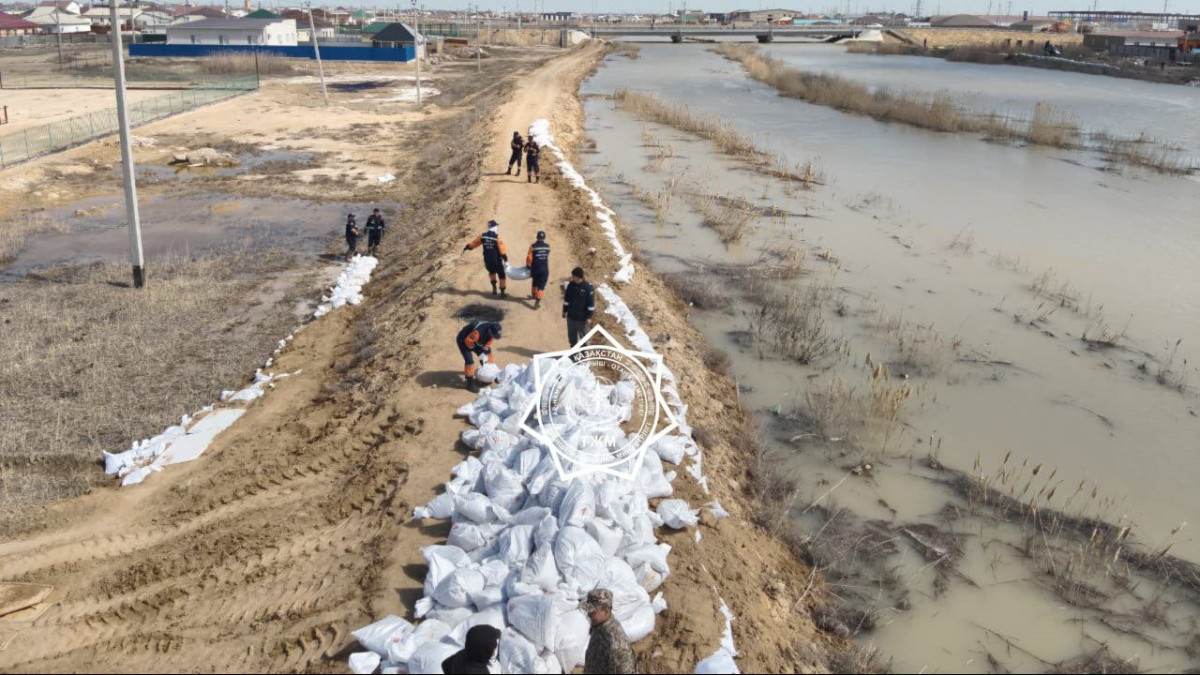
{"x": 857, "y": 6}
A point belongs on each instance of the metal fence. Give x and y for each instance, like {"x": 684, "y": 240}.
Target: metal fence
{"x": 31, "y": 142}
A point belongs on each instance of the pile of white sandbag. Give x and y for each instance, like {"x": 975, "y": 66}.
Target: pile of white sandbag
{"x": 348, "y": 288}
{"x": 526, "y": 546}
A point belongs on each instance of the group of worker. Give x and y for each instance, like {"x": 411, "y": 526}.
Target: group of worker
{"x": 374, "y": 227}
{"x": 579, "y": 297}
{"x": 608, "y": 649}
{"x": 531, "y": 150}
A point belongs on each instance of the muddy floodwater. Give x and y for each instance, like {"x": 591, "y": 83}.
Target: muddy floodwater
{"x": 1025, "y": 317}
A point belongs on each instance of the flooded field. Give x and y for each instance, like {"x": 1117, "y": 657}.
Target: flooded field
{"x": 972, "y": 361}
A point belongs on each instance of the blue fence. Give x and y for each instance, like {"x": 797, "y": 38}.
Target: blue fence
{"x": 329, "y": 53}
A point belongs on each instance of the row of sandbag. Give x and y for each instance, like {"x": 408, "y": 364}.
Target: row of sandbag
{"x": 525, "y": 546}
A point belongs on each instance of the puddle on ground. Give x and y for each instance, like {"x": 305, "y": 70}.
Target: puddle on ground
{"x": 248, "y": 162}
{"x": 189, "y": 225}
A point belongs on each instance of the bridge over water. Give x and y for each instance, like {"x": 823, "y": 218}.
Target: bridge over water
{"x": 762, "y": 33}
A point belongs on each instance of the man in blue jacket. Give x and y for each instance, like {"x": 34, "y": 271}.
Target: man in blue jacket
{"x": 579, "y": 303}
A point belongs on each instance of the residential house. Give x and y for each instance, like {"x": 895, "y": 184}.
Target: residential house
{"x": 262, "y": 14}
{"x": 304, "y": 30}
{"x": 399, "y": 35}
{"x": 277, "y": 32}
{"x": 68, "y": 6}
{"x": 53, "y": 20}
{"x": 1114, "y": 40}
{"x": 11, "y": 25}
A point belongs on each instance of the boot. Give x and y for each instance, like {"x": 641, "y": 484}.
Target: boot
{"x": 503, "y": 292}
{"x": 528, "y": 178}
{"x": 509, "y": 172}
{"x": 537, "y": 303}
{"x": 472, "y": 385}
{"x": 538, "y": 179}
{"x": 518, "y": 172}
{"x": 493, "y": 288}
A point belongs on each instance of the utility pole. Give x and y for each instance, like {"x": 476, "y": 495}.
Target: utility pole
{"x": 417, "y": 49}
{"x": 58, "y": 29}
{"x": 136, "y": 255}
{"x": 312, "y": 32}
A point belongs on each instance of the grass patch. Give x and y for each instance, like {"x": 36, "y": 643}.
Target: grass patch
{"x": 15, "y": 231}
{"x": 92, "y": 365}
{"x": 245, "y": 64}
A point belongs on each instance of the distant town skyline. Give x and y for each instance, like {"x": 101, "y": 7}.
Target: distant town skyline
{"x": 929, "y": 7}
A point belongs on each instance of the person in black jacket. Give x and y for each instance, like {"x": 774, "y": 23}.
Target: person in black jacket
{"x": 474, "y": 657}
{"x": 351, "y": 236}
{"x": 375, "y": 228}
{"x": 517, "y": 144}
{"x": 579, "y": 303}
{"x": 538, "y": 260}
{"x": 531, "y": 161}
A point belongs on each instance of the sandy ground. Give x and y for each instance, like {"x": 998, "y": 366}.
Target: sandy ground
{"x": 296, "y": 527}
{"x": 31, "y": 107}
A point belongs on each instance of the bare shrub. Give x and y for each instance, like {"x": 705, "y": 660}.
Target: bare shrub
{"x": 1053, "y": 127}
{"x": 729, "y": 215}
{"x": 791, "y": 324}
{"x": 626, "y": 49}
{"x": 717, "y": 360}
{"x": 699, "y": 290}
{"x": 858, "y": 658}
{"x": 1148, "y": 153}
{"x": 1173, "y": 368}
{"x": 720, "y": 132}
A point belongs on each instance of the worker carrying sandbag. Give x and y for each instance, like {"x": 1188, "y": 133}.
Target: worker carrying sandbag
{"x": 517, "y": 144}
{"x": 608, "y": 649}
{"x": 495, "y": 254}
{"x": 538, "y": 262}
{"x": 475, "y": 339}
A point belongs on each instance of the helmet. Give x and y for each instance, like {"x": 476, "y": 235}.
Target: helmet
{"x": 541, "y": 235}
{"x": 493, "y": 224}
{"x": 493, "y": 329}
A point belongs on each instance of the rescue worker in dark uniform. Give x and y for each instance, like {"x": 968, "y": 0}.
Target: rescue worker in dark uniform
{"x": 531, "y": 161}
{"x": 475, "y": 339}
{"x": 375, "y": 228}
{"x": 517, "y": 145}
{"x": 538, "y": 260}
{"x": 351, "y": 236}
{"x": 579, "y": 303}
{"x": 495, "y": 255}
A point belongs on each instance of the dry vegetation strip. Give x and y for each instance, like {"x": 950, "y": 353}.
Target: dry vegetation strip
{"x": 723, "y": 134}
{"x": 1049, "y": 126}
{"x": 90, "y": 365}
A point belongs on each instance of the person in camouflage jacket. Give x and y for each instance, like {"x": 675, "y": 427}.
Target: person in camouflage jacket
{"x": 608, "y": 648}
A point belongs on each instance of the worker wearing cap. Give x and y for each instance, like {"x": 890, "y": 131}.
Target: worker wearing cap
{"x": 608, "y": 649}
{"x": 538, "y": 261}
{"x": 375, "y": 228}
{"x": 495, "y": 255}
{"x": 517, "y": 144}
{"x": 475, "y": 339}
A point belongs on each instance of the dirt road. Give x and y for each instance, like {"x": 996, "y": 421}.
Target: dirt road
{"x": 295, "y": 528}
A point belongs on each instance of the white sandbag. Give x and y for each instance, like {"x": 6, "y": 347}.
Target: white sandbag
{"x": 475, "y": 507}
{"x": 488, "y": 373}
{"x": 578, "y": 505}
{"x": 640, "y": 623}
{"x": 428, "y": 657}
{"x": 440, "y": 507}
{"x": 649, "y": 578}
{"x": 466, "y": 536}
{"x": 571, "y": 639}
{"x": 609, "y": 494}
{"x": 579, "y": 558}
{"x": 714, "y": 507}
{"x": 676, "y": 514}
{"x": 518, "y": 655}
{"x": 485, "y": 419}
{"x": 525, "y": 462}
{"x": 451, "y": 616}
{"x": 364, "y": 663}
{"x": 469, "y": 469}
{"x": 456, "y": 589}
{"x": 380, "y": 635}
{"x": 654, "y": 555}
{"x": 721, "y": 662}
{"x": 607, "y": 536}
{"x": 650, "y": 477}
{"x": 623, "y": 393}
{"x": 504, "y": 486}
{"x": 544, "y": 534}
{"x": 658, "y": 604}
{"x": 530, "y": 516}
{"x": 541, "y": 570}
{"x": 514, "y": 545}
{"x": 552, "y": 494}
{"x": 517, "y": 273}
{"x": 535, "y": 618}
{"x": 492, "y": 616}
{"x": 430, "y": 629}
{"x": 672, "y": 448}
